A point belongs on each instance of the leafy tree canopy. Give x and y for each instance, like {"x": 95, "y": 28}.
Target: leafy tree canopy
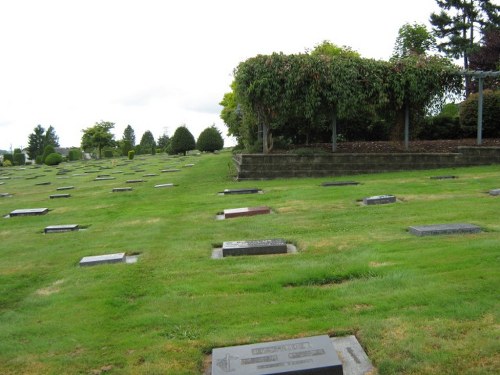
{"x": 413, "y": 40}
{"x": 98, "y": 136}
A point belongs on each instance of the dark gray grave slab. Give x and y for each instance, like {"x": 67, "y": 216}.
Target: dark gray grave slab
{"x": 55, "y": 196}
{"x": 340, "y": 183}
{"x": 164, "y": 185}
{"x": 103, "y": 259}
{"x": 121, "y": 189}
{"x": 104, "y": 178}
{"x": 241, "y": 191}
{"x": 246, "y": 211}
{"x": 379, "y": 199}
{"x": 5, "y": 195}
{"x": 133, "y": 181}
{"x": 29, "y": 212}
{"x": 170, "y": 170}
{"x": 150, "y": 175}
{"x": 254, "y": 247}
{"x": 43, "y": 183}
{"x": 103, "y": 175}
{"x": 495, "y": 192}
{"x": 61, "y": 228}
{"x": 65, "y": 188}
{"x": 443, "y": 177}
{"x": 432, "y": 230}
{"x": 306, "y": 356}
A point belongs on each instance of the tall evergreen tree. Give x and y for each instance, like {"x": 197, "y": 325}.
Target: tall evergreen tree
{"x": 182, "y": 140}
{"x": 129, "y": 135}
{"x": 148, "y": 144}
{"x": 39, "y": 139}
{"x": 456, "y": 27}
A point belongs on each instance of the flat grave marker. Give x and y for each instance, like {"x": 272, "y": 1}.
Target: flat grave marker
{"x": 29, "y": 212}
{"x": 241, "y": 191}
{"x": 5, "y": 195}
{"x": 170, "y": 170}
{"x": 43, "y": 183}
{"x": 308, "y": 355}
{"x": 437, "y": 229}
{"x": 61, "y": 228}
{"x": 121, "y": 189}
{"x": 379, "y": 199}
{"x": 65, "y": 188}
{"x": 189, "y": 165}
{"x": 245, "y": 211}
{"x": 150, "y": 175}
{"x": 446, "y": 177}
{"x": 104, "y": 178}
{"x": 254, "y": 247}
{"x": 495, "y": 192}
{"x": 340, "y": 183}
{"x": 133, "y": 181}
{"x": 103, "y": 259}
{"x": 55, "y": 196}
{"x": 164, "y": 185}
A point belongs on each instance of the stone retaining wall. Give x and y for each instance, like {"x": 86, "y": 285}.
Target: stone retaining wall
{"x": 258, "y": 166}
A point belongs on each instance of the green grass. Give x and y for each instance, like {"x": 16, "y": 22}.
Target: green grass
{"x": 418, "y": 305}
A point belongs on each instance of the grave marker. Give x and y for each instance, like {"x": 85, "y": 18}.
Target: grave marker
{"x": 61, "y": 228}
{"x": 103, "y": 259}
{"x": 5, "y": 195}
{"x": 340, "y": 183}
{"x": 495, "y": 192}
{"x": 121, "y": 189}
{"x": 29, "y": 212}
{"x": 443, "y": 177}
{"x": 43, "y": 183}
{"x": 170, "y": 170}
{"x": 65, "y": 188}
{"x": 55, "y": 196}
{"x": 254, "y": 247}
{"x": 164, "y": 185}
{"x": 379, "y": 199}
{"x": 133, "y": 181}
{"x": 432, "y": 230}
{"x": 246, "y": 211}
{"x": 104, "y": 178}
{"x": 241, "y": 191}
{"x": 309, "y": 355}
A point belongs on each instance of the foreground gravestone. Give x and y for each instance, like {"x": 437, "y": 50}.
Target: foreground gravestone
{"x": 29, "y": 212}
{"x": 353, "y": 357}
{"x": 246, "y": 211}
{"x": 170, "y": 170}
{"x": 121, "y": 189}
{"x": 103, "y": 178}
{"x": 241, "y": 191}
{"x": 164, "y": 185}
{"x": 133, "y": 181}
{"x": 103, "y": 259}
{"x": 448, "y": 177}
{"x": 495, "y": 192}
{"x": 55, "y": 196}
{"x": 379, "y": 199}
{"x": 61, "y": 228}
{"x": 309, "y": 355}
{"x": 340, "y": 183}
{"x": 432, "y": 230}
{"x": 254, "y": 247}
{"x": 5, "y": 195}
{"x": 65, "y": 188}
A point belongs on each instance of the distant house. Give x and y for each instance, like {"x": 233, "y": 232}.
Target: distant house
{"x": 64, "y": 151}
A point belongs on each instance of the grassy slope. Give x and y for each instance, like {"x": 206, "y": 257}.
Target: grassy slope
{"x": 417, "y": 305}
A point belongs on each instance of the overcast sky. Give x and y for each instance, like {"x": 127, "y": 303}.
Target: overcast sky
{"x": 158, "y": 64}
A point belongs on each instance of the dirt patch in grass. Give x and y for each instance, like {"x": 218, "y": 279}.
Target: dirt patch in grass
{"x": 54, "y": 288}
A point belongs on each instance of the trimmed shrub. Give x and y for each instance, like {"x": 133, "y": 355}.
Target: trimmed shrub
{"x": 491, "y": 114}
{"x": 49, "y": 149}
{"x": 210, "y": 140}
{"x": 6, "y": 162}
{"x": 74, "y": 154}
{"x": 53, "y": 159}
{"x": 8, "y": 157}
{"x": 39, "y": 159}
{"x": 182, "y": 141}
{"x": 131, "y": 154}
{"x": 19, "y": 158}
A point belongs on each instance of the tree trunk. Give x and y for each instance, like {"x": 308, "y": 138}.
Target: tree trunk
{"x": 334, "y": 132}
{"x": 265, "y": 147}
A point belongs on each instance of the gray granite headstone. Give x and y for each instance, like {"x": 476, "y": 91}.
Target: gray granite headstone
{"x": 164, "y": 185}
{"x": 121, "y": 189}
{"x": 5, "y": 195}
{"x": 432, "y": 230}
{"x": 443, "y": 177}
{"x": 55, "y": 196}
{"x": 150, "y": 175}
{"x": 306, "y": 356}
{"x": 254, "y": 247}
{"x": 246, "y": 211}
{"x": 170, "y": 170}
{"x": 340, "y": 183}
{"x": 495, "y": 192}
{"x": 241, "y": 191}
{"x": 65, "y": 188}
{"x": 29, "y": 212}
{"x": 133, "y": 181}
{"x": 102, "y": 259}
{"x": 43, "y": 183}
{"x": 379, "y": 199}
{"x": 104, "y": 178}
{"x": 61, "y": 228}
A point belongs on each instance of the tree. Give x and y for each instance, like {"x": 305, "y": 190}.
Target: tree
{"x": 487, "y": 57}
{"x": 456, "y": 24}
{"x": 98, "y": 136}
{"x": 413, "y": 40}
{"x": 210, "y": 140}
{"x": 163, "y": 141}
{"x": 148, "y": 144}
{"x": 39, "y": 139}
{"x": 327, "y": 48}
{"x": 49, "y": 149}
{"x": 182, "y": 140}
{"x": 127, "y": 142}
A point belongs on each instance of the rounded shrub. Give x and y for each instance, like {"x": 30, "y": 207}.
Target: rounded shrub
{"x": 74, "y": 154}
{"x": 6, "y": 163}
{"x": 8, "y": 157}
{"x": 491, "y": 114}
{"x": 53, "y": 159}
{"x": 182, "y": 141}
{"x": 49, "y": 149}
{"x": 19, "y": 158}
{"x": 210, "y": 140}
{"x": 131, "y": 154}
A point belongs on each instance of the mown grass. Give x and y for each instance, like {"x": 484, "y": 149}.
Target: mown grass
{"x": 417, "y": 305}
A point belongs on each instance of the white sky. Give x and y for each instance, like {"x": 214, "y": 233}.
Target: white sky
{"x": 158, "y": 64}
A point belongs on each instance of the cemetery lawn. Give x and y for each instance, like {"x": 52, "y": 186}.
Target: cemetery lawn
{"x": 417, "y": 305}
